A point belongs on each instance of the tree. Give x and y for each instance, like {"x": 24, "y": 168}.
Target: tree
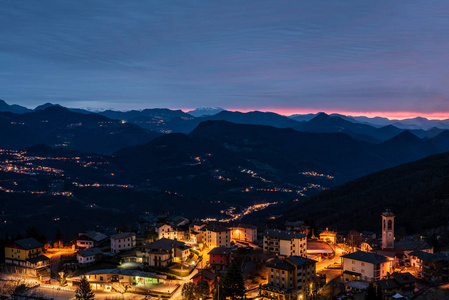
{"x": 218, "y": 292}
{"x": 233, "y": 284}
{"x": 188, "y": 291}
{"x": 84, "y": 292}
{"x": 202, "y": 289}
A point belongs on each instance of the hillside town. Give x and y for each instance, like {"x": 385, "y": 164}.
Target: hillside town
{"x": 172, "y": 257}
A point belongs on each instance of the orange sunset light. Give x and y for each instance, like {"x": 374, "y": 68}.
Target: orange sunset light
{"x": 399, "y": 115}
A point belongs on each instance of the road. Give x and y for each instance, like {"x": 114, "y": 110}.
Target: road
{"x": 177, "y": 294}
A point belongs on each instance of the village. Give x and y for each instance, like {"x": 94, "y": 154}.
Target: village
{"x": 173, "y": 257}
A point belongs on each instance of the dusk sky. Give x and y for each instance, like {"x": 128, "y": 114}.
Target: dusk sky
{"x": 285, "y": 56}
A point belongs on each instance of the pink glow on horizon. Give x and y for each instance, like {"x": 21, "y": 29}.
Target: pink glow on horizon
{"x": 396, "y": 115}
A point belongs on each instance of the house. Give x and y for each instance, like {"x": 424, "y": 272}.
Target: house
{"x": 123, "y": 241}
{"x": 215, "y": 235}
{"x": 410, "y": 244}
{"x": 119, "y": 279}
{"x": 290, "y": 278}
{"x": 170, "y": 232}
{"x": 244, "y": 233}
{"x": 89, "y": 240}
{"x": 206, "y": 275}
{"x": 26, "y": 257}
{"x": 88, "y": 256}
{"x": 298, "y": 226}
{"x": 164, "y": 252}
{"x": 195, "y": 231}
{"x": 220, "y": 258}
{"x": 365, "y": 266}
{"x": 328, "y": 236}
{"x": 432, "y": 267}
{"x": 176, "y": 221}
{"x": 402, "y": 283}
{"x": 284, "y": 243}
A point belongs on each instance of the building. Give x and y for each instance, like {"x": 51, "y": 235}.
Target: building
{"x": 215, "y": 235}
{"x": 26, "y": 257}
{"x": 89, "y": 240}
{"x": 387, "y": 229}
{"x": 164, "y": 251}
{"x": 244, "y": 233}
{"x": 402, "y": 283}
{"x": 290, "y": 278}
{"x": 284, "y": 243}
{"x": 89, "y": 256}
{"x": 173, "y": 233}
{"x": 119, "y": 279}
{"x": 298, "y": 226}
{"x": 206, "y": 275}
{"x": 123, "y": 241}
{"x": 365, "y": 266}
{"x": 220, "y": 258}
{"x": 433, "y": 267}
{"x": 195, "y": 231}
{"x": 410, "y": 244}
{"x": 328, "y": 236}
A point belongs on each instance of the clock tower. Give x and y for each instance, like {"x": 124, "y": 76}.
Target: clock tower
{"x": 387, "y": 229}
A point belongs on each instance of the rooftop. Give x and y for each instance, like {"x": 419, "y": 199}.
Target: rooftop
{"x": 412, "y": 244}
{"x": 29, "y": 243}
{"x": 38, "y": 259}
{"x": 89, "y": 252}
{"x": 283, "y": 235}
{"x": 123, "y": 235}
{"x": 301, "y": 261}
{"x": 207, "y": 274}
{"x": 164, "y": 244}
{"x": 368, "y": 257}
{"x": 126, "y": 272}
{"x": 220, "y": 251}
{"x": 280, "y": 264}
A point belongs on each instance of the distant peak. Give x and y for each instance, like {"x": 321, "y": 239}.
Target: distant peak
{"x": 205, "y": 111}
{"x": 46, "y": 105}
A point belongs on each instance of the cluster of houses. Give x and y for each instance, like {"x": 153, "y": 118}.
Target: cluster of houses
{"x": 290, "y": 256}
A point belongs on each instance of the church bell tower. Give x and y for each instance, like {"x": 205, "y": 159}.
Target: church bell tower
{"x": 388, "y": 229}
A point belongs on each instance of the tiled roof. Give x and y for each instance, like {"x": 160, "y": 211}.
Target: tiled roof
{"x": 404, "y": 278}
{"x": 96, "y": 236}
{"x": 29, "y": 243}
{"x": 412, "y": 244}
{"x": 368, "y": 257}
{"x": 89, "y": 252}
{"x": 164, "y": 244}
{"x": 280, "y": 264}
{"x": 387, "y": 284}
{"x": 126, "y": 272}
{"x": 123, "y": 235}
{"x": 283, "y": 235}
{"x": 207, "y": 274}
{"x": 301, "y": 261}
{"x": 38, "y": 259}
{"x": 220, "y": 251}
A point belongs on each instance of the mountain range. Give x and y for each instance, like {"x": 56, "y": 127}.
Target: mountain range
{"x": 58, "y": 127}
{"x": 417, "y": 193}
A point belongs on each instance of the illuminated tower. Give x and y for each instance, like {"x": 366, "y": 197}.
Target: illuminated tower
{"x": 387, "y": 229}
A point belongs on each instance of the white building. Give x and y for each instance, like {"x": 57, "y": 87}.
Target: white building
{"x": 214, "y": 235}
{"x": 123, "y": 241}
{"x": 89, "y": 255}
{"x": 244, "y": 233}
{"x": 169, "y": 232}
{"x": 285, "y": 243}
{"x": 365, "y": 266}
